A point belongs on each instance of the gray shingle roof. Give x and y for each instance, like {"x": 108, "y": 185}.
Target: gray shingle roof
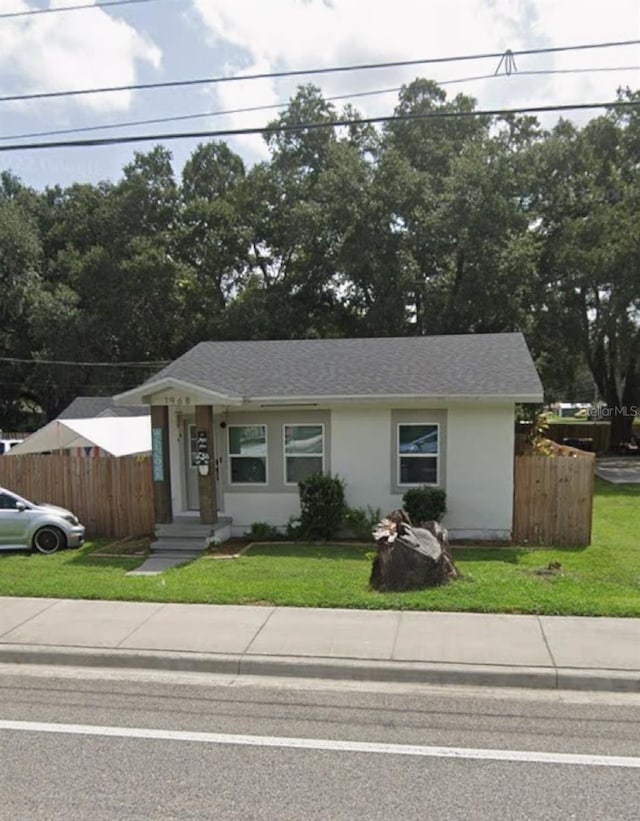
{"x": 89, "y": 407}
{"x": 455, "y": 365}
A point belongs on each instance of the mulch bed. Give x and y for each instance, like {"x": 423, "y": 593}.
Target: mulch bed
{"x": 232, "y": 547}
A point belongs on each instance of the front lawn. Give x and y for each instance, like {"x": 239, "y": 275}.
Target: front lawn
{"x": 603, "y": 579}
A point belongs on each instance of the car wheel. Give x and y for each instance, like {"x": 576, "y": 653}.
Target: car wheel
{"x": 48, "y": 540}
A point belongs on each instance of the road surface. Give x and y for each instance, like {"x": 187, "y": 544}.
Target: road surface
{"x": 80, "y": 744}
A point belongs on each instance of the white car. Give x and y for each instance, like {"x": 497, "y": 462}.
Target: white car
{"x": 37, "y": 526}
{"x": 7, "y": 444}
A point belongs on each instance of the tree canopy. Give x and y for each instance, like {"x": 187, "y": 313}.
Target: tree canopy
{"x": 440, "y": 225}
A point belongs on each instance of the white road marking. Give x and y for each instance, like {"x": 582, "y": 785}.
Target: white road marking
{"x": 330, "y": 745}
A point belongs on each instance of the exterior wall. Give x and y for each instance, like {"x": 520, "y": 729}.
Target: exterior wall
{"x": 276, "y": 501}
{"x": 361, "y": 455}
{"x": 476, "y": 452}
{"x": 476, "y": 463}
{"x": 247, "y": 508}
{"x": 480, "y": 471}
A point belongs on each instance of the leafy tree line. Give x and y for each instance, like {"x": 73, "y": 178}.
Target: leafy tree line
{"x": 445, "y": 225}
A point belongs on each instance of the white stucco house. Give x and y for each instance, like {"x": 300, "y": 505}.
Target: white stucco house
{"x": 235, "y": 425}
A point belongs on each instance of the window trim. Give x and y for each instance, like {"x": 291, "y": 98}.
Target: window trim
{"x": 231, "y": 456}
{"x": 286, "y": 456}
{"x": 400, "y": 456}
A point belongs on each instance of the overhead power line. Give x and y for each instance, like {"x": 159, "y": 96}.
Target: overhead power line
{"x": 99, "y": 5}
{"x": 276, "y": 106}
{"x": 278, "y": 129}
{"x": 16, "y": 360}
{"x": 309, "y": 71}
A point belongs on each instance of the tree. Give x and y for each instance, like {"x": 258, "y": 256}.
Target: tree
{"x": 211, "y": 239}
{"x": 20, "y": 264}
{"x": 589, "y": 213}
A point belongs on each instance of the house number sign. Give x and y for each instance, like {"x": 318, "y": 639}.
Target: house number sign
{"x": 177, "y": 401}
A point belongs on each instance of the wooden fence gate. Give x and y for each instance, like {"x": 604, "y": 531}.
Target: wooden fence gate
{"x": 553, "y": 499}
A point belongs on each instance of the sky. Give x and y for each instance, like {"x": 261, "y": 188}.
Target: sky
{"x": 166, "y": 40}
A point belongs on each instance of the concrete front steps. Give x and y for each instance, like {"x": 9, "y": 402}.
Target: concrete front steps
{"x": 187, "y": 534}
{"x": 181, "y": 541}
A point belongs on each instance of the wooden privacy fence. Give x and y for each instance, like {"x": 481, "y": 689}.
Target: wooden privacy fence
{"x": 111, "y": 496}
{"x": 553, "y": 499}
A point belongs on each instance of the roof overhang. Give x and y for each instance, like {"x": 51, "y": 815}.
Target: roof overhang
{"x": 143, "y": 394}
{"x": 300, "y": 401}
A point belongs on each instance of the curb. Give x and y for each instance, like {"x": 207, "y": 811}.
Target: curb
{"x": 399, "y": 672}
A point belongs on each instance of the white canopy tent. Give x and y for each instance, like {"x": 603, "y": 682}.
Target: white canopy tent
{"x": 115, "y": 435}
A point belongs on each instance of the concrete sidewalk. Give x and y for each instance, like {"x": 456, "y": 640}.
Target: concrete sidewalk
{"x": 398, "y": 646}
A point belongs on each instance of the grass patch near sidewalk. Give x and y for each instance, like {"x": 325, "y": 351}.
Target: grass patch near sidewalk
{"x": 600, "y": 580}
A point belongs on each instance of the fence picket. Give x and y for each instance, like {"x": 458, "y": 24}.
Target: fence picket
{"x": 111, "y": 497}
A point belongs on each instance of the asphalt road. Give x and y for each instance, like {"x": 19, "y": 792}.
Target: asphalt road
{"x": 109, "y": 745}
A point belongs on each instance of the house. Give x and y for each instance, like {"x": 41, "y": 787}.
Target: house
{"x": 235, "y": 425}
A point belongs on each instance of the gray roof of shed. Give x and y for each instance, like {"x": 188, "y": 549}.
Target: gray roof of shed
{"x": 430, "y": 366}
{"x": 90, "y": 407}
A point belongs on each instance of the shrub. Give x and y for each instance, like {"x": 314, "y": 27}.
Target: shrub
{"x": 362, "y": 520}
{"x": 425, "y": 504}
{"x": 294, "y": 528}
{"x": 263, "y": 532}
{"x": 322, "y": 506}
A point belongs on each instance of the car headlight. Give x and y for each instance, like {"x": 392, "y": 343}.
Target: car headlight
{"x": 73, "y": 520}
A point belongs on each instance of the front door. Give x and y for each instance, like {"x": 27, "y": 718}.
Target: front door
{"x": 191, "y": 466}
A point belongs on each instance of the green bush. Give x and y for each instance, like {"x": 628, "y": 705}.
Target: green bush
{"x": 322, "y": 506}
{"x": 425, "y": 504}
{"x": 294, "y": 529}
{"x": 361, "y": 521}
{"x": 263, "y": 532}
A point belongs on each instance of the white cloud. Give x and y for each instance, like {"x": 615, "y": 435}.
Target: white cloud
{"x": 293, "y": 34}
{"x": 76, "y": 50}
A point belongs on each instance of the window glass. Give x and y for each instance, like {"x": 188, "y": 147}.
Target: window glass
{"x": 248, "y": 454}
{"x": 248, "y": 440}
{"x": 7, "y": 502}
{"x": 418, "y": 450}
{"x": 304, "y": 451}
{"x": 418, "y": 438}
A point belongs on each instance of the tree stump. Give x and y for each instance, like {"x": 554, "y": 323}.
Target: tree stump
{"x": 410, "y": 558}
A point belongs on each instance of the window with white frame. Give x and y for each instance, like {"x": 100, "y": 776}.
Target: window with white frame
{"x": 418, "y": 454}
{"x": 303, "y": 451}
{"x": 248, "y": 454}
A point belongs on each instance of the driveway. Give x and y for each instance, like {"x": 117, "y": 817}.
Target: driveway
{"x": 619, "y": 469}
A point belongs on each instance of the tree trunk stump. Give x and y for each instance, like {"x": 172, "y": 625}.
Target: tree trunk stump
{"x": 410, "y": 558}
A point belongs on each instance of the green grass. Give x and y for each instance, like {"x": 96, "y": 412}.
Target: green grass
{"x": 603, "y": 579}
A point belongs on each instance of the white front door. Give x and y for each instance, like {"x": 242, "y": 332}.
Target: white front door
{"x": 190, "y": 465}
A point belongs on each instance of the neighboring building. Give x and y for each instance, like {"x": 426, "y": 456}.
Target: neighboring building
{"x": 94, "y": 407}
{"x": 235, "y": 425}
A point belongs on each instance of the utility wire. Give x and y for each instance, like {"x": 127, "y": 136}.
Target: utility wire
{"x": 309, "y": 71}
{"x": 276, "y": 106}
{"x": 279, "y": 129}
{"x": 16, "y": 360}
{"x": 102, "y": 4}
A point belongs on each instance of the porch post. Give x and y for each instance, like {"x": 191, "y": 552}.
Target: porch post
{"x": 161, "y": 464}
{"x": 206, "y": 483}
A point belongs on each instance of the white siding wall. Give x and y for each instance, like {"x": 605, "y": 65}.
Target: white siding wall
{"x": 477, "y": 449}
{"x": 361, "y": 454}
{"x": 479, "y": 454}
{"x": 478, "y": 464}
{"x": 247, "y": 508}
